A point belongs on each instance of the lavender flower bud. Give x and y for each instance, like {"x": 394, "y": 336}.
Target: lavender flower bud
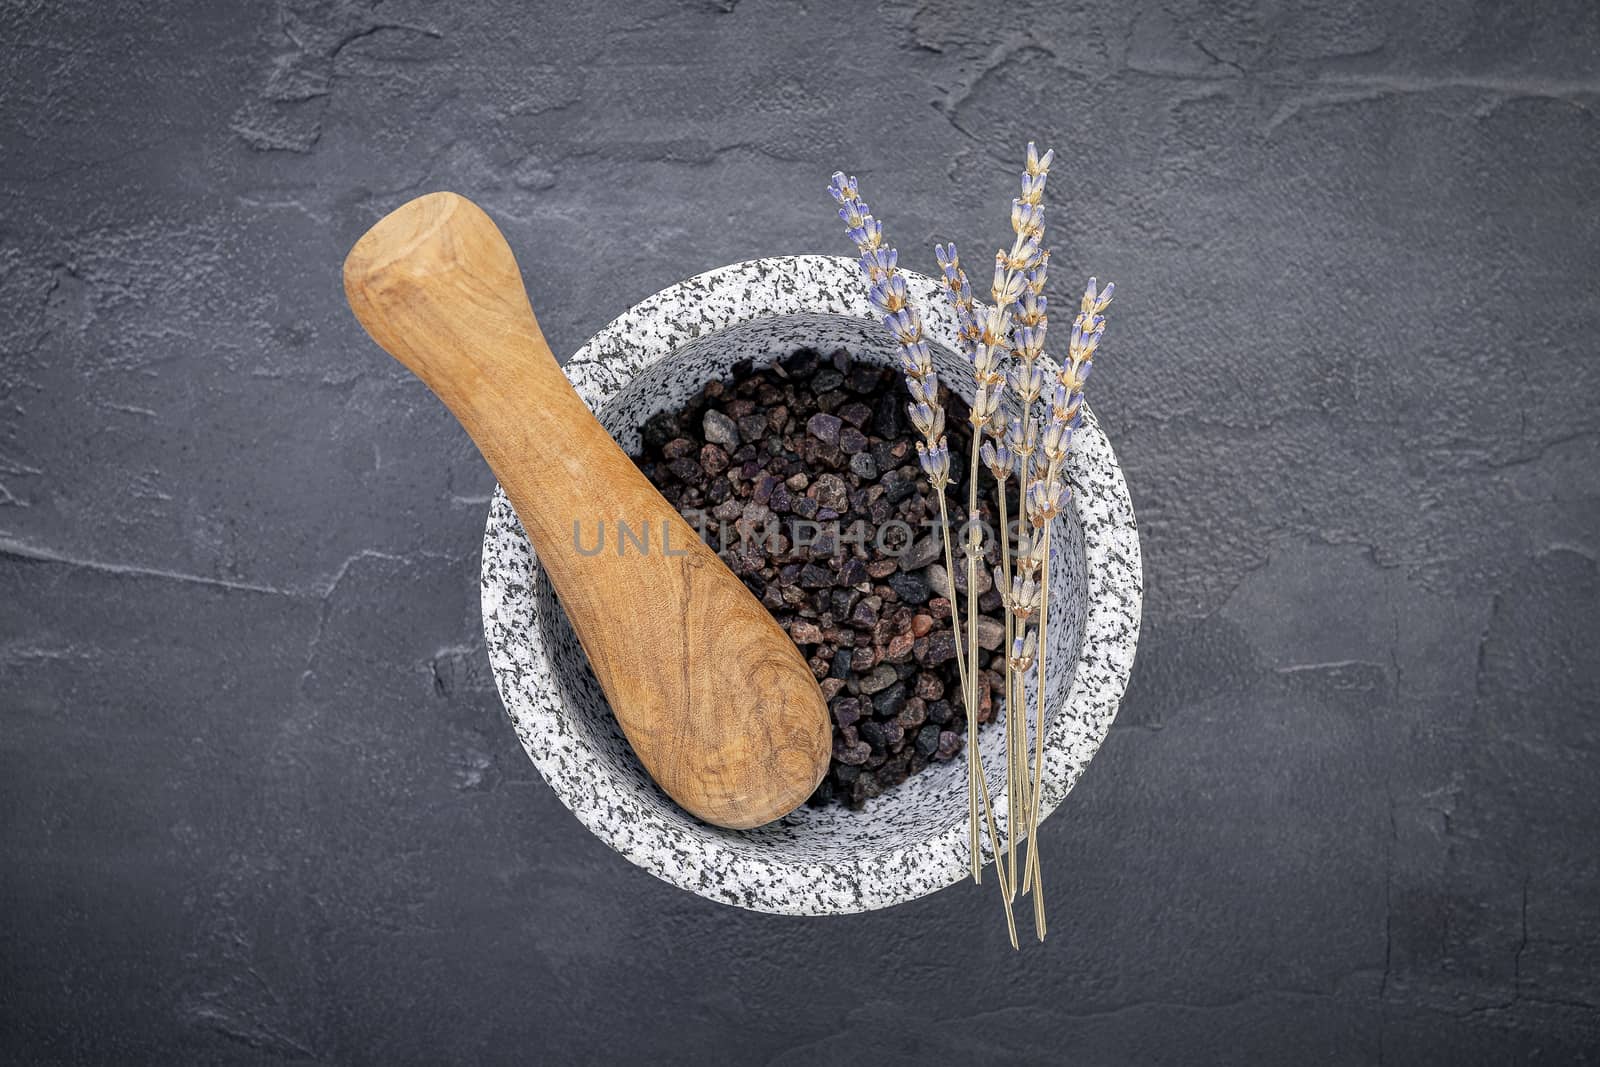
{"x": 1057, "y": 440}
{"x": 1023, "y": 596}
{"x": 889, "y": 295}
{"x": 928, "y": 420}
{"x": 1105, "y": 297}
{"x": 879, "y": 263}
{"x": 1039, "y": 274}
{"x": 1046, "y": 500}
{"x": 905, "y": 326}
{"x": 998, "y": 458}
{"x": 935, "y": 461}
{"x": 1023, "y": 651}
{"x": 1094, "y": 303}
{"x": 1027, "y": 219}
{"x": 985, "y": 402}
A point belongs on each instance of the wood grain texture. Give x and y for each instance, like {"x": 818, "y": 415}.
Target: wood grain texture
{"x": 715, "y": 699}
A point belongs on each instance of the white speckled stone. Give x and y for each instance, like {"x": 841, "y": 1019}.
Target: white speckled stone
{"x": 913, "y": 839}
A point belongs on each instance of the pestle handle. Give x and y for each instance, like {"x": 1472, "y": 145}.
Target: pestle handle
{"x": 717, "y": 702}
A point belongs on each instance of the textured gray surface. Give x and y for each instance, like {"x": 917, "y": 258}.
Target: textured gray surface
{"x": 259, "y": 800}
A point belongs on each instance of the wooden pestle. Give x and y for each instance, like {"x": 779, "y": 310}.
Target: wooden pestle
{"x": 719, "y": 705}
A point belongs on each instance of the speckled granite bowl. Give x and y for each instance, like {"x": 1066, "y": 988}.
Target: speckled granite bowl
{"x": 913, "y": 839}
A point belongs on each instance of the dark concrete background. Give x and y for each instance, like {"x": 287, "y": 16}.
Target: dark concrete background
{"x": 260, "y": 802}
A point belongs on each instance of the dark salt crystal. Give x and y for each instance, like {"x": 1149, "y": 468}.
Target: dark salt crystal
{"x": 852, "y": 572}
{"x": 899, "y": 650}
{"x": 914, "y": 713}
{"x": 824, "y": 427}
{"x": 898, "y": 485}
{"x": 720, "y": 430}
{"x": 887, "y": 420}
{"x": 893, "y": 732}
{"x": 826, "y": 546}
{"x": 928, "y": 740}
{"x": 830, "y": 492}
{"x": 888, "y": 703}
{"x": 941, "y": 648}
{"x": 801, "y": 362}
{"x": 872, "y": 732}
{"x": 922, "y": 553}
{"x": 753, "y": 427}
{"x": 882, "y": 568}
{"x": 840, "y": 668}
{"x": 881, "y": 677}
{"x": 660, "y": 428}
{"x": 863, "y": 466}
{"x": 940, "y": 712}
{"x": 949, "y": 745}
{"x": 688, "y": 471}
{"x": 831, "y": 402}
{"x": 865, "y": 379}
{"x": 677, "y": 448}
{"x": 855, "y": 754}
{"x": 991, "y": 632}
{"x": 815, "y": 576}
{"x": 781, "y": 499}
{"x": 852, "y": 441}
{"x": 911, "y": 588}
{"x": 713, "y": 460}
{"x": 805, "y": 633}
{"x": 855, "y": 413}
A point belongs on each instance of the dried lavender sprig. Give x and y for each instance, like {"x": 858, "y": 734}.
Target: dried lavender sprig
{"x": 1018, "y": 281}
{"x": 1048, "y": 496}
{"x": 995, "y": 330}
{"x": 980, "y": 336}
{"x": 979, "y": 333}
{"x": 888, "y": 293}
{"x": 987, "y": 333}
